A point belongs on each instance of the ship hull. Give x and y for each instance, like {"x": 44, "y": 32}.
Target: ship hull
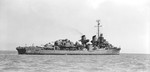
{"x": 76, "y": 52}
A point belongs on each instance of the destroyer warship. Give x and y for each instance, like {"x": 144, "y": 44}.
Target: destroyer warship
{"x": 97, "y": 46}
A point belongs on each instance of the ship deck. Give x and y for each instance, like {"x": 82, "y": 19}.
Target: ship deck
{"x": 77, "y": 52}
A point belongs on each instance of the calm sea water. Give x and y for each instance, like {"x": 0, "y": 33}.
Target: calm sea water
{"x": 12, "y": 62}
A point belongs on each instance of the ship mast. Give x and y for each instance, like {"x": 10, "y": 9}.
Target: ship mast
{"x": 98, "y": 26}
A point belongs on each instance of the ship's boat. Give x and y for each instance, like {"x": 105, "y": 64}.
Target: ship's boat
{"x": 97, "y": 46}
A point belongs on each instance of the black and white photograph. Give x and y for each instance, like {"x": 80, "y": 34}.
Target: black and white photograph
{"x": 74, "y": 35}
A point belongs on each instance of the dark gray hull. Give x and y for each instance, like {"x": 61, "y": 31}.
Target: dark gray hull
{"x": 111, "y": 51}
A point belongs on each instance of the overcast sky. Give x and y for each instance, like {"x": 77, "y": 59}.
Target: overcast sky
{"x": 125, "y": 22}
